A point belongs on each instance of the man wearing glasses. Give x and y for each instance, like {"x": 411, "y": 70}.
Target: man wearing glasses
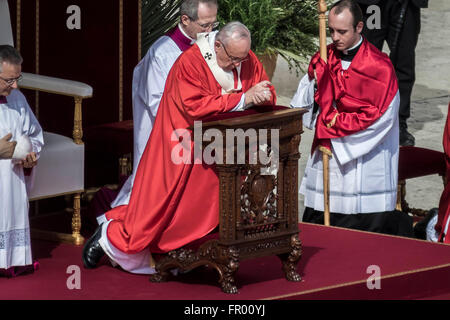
{"x": 6, "y": 86}
{"x": 17, "y": 123}
{"x": 149, "y": 77}
{"x": 173, "y": 203}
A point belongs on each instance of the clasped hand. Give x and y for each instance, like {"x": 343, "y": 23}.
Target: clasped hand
{"x": 259, "y": 93}
{"x": 7, "y": 147}
{"x": 30, "y": 161}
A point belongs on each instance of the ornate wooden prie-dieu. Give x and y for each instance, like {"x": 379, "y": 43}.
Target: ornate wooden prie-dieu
{"x": 258, "y": 209}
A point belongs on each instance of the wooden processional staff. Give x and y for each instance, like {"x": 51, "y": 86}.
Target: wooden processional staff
{"x": 322, "y": 8}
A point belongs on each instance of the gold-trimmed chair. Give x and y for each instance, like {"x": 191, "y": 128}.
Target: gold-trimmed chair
{"x": 60, "y": 169}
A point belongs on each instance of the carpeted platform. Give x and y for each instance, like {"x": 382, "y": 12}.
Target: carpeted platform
{"x": 333, "y": 266}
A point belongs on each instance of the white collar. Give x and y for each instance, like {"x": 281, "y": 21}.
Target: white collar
{"x": 205, "y": 42}
{"x": 359, "y": 42}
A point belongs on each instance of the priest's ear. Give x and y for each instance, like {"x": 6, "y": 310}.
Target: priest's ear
{"x": 359, "y": 27}
{"x": 185, "y": 20}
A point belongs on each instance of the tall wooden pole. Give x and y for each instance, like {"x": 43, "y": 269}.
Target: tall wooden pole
{"x": 322, "y": 6}
{"x": 322, "y": 9}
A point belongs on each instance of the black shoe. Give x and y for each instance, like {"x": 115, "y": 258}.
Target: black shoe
{"x": 92, "y": 251}
{"x": 406, "y": 138}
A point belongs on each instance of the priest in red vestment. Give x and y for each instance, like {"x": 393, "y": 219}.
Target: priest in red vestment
{"x": 174, "y": 204}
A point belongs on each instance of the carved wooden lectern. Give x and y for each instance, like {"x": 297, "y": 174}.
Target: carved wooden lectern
{"x": 258, "y": 209}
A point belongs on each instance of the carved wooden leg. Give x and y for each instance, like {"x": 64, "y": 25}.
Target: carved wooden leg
{"x": 290, "y": 260}
{"x": 228, "y": 270}
{"x": 76, "y": 220}
{"x": 159, "y": 276}
{"x": 180, "y": 259}
{"x": 224, "y": 259}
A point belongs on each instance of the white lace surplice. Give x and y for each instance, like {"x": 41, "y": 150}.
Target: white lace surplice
{"x": 17, "y": 118}
{"x": 363, "y": 168}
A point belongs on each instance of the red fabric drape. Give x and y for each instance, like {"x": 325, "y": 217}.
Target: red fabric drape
{"x": 362, "y": 93}
{"x": 174, "y": 204}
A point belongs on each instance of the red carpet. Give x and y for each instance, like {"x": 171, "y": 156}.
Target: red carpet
{"x": 333, "y": 266}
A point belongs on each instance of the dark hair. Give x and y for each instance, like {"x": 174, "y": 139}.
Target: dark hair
{"x": 9, "y": 54}
{"x": 190, "y": 7}
{"x": 352, "y": 6}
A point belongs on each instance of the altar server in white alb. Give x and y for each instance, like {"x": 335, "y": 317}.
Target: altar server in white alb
{"x": 356, "y": 122}
{"x": 17, "y": 123}
{"x": 149, "y": 77}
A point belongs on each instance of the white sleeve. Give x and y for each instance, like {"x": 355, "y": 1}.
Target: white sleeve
{"x": 358, "y": 144}
{"x": 304, "y": 98}
{"x": 152, "y": 82}
{"x": 241, "y": 105}
{"x": 32, "y": 128}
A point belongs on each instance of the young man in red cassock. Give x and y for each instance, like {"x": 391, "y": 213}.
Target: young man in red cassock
{"x": 357, "y": 96}
{"x": 174, "y": 204}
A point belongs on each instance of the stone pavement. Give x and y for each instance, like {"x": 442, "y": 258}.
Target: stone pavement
{"x": 430, "y": 98}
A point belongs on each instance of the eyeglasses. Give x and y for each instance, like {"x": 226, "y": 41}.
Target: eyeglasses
{"x": 233, "y": 59}
{"x": 10, "y": 82}
{"x": 211, "y": 25}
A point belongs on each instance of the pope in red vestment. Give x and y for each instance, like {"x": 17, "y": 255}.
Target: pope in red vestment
{"x": 173, "y": 204}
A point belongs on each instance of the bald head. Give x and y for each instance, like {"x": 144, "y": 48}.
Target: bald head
{"x": 232, "y": 45}
{"x": 234, "y": 31}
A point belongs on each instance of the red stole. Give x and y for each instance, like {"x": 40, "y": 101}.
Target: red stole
{"x": 444, "y": 203}
{"x": 174, "y": 204}
{"x": 362, "y": 93}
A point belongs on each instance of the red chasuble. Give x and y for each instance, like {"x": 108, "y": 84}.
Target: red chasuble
{"x": 174, "y": 204}
{"x": 444, "y": 203}
{"x": 362, "y": 93}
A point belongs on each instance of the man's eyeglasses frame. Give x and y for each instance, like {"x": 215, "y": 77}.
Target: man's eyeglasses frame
{"x": 233, "y": 59}
{"x": 211, "y": 25}
{"x": 10, "y": 82}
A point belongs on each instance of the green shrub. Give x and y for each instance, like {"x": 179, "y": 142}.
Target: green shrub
{"x": 285, "y": 27}
{"x": 157, "y": 18}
